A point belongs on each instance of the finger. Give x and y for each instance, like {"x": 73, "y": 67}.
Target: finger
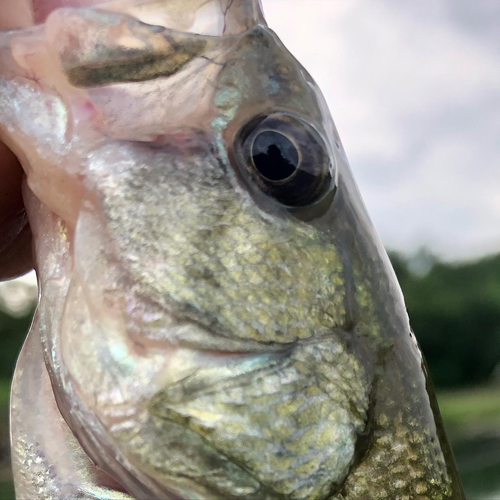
{"x": 15, "y": 14}
{"x": 15, "y": 235}
{"x": 42, "y": 8}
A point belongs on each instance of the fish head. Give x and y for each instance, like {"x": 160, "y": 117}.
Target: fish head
{"x": 240, "y": 275}
{"x": 232, "y": 325}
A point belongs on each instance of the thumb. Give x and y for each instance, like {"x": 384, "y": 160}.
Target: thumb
{"x": 15, "y": 236}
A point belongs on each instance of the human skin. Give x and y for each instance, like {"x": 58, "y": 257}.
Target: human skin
{"x": 15, "y": 234}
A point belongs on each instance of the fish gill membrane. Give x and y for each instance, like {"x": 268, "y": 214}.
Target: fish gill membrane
{"x": 217, "y": 317}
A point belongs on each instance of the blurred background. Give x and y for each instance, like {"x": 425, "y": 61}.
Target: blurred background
{"x": 414, "y": 88}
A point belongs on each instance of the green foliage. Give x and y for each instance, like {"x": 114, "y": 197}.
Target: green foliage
{"x": 472, "y": 419}
{"x": 12, "y": 334}
{"x": 455, "y": 312}
{"x": 4, "y": 392}
{"x": 7, "y": 490}
{"x": 468, "y": 407}
{"x": 13, "y": 331}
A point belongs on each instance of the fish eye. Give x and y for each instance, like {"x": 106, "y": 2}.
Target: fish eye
{"x": 286, "y": 158}
{"x": 274, "y": 156}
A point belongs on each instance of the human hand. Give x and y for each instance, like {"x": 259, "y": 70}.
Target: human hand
{"x": 15, "y": 234}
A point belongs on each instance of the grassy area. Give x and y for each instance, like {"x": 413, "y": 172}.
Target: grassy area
{"x": 470, "y": 407}
{"x": 472, "y": 420}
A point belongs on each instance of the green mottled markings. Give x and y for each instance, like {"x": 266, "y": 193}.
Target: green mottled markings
{"x": 131, "y": 66}
{"x": 97, "y": 48}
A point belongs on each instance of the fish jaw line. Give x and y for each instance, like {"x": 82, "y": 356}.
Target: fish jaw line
{"x": 127, "y": 356}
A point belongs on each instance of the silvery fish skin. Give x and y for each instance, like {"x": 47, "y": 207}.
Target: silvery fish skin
{"x": 217, "y": 317}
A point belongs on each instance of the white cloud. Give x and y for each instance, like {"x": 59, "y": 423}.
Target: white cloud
{"x": 415, "y": 93}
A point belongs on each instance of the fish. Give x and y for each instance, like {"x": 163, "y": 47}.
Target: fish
{"x": 217, "y": 316}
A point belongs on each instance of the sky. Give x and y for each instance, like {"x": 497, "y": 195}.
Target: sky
{"x": 414, "y": 89}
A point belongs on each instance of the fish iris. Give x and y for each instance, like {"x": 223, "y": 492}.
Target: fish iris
{"x": 274, "y": 156}
{"x": 283, "y": 156}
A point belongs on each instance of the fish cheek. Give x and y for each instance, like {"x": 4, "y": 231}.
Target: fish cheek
{"x": 294, "y": 427}
{"x": 291, "y": 427}
{"x": 208, "y": 254}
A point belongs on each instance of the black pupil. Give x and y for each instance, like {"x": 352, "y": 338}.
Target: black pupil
{"x": 274, "y": 156}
